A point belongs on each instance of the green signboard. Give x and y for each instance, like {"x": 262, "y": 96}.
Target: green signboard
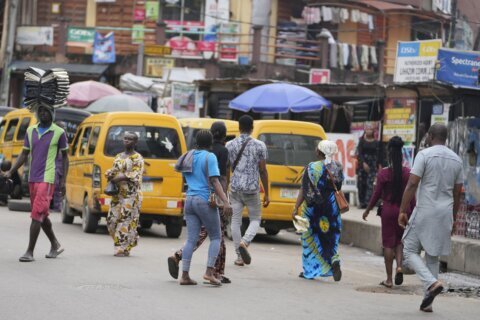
{"x": 80, "y": 35}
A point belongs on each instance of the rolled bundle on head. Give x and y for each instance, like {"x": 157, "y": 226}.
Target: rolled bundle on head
{"x": 48, "y": 89}
{"x": 328, "y": 148}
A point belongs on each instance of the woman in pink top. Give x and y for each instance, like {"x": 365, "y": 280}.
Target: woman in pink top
{"x": 391, "y": 182}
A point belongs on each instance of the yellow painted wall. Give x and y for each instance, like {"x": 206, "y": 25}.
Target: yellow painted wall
{"x": 273, "y": 31}
{"x": 91, "y": 17}
{"x": 242, "y": 11}
{"x": 398, "y": 30}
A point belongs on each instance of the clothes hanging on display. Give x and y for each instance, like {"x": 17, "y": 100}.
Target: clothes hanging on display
{"x": 370, "y": 22}
{"x": 364, "y": 17}
{"x": 341, "y": 66}
{"x": 354, "y": 58}
{"x": 373, "y": 56}
{"x": 364, "y": 57}
{"x": 355, "y": 15}
{"x": 346, "y": 52}
{"x": 311, "y": 15}
{"x": 333, "y": 55}
{"x": 336, "y": 15}
{"x": 344, "y": 15}
{"x": 327, "y": 14}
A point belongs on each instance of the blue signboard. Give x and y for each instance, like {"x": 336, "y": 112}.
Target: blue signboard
{"x": 459, "y": 68}
{"x": 104, "y": 48}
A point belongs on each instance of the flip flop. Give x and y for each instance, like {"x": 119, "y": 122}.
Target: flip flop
{"x": 217, "y": 283}
{"x": 399, "y": 278}
{"x": 54, "y": 254}
{"x": 225, "y": 280}
{"x": 389, "y": 286}
{"x": 244, "y": 253}
{"x": 189, "y": 283}
{"x": 173, "y": 267}
{"x": 26, "y": 259}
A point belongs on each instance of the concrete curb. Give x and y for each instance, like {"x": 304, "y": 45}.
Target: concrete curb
{"x": 465, "y": 255}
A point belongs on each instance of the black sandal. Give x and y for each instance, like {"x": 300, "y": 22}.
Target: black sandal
{"x": 225, "y": 280}
{"x": 399, "y": 278}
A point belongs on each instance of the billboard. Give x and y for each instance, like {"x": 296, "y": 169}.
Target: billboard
{"x": 459, "y": 68}
{"x": 415, "y": 60}
{"x": 399, "y": 119}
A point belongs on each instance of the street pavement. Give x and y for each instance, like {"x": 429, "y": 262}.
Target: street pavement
{"x": 86, "y": 282}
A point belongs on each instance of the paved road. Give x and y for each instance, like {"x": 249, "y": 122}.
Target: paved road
{"x": 87, "y": 282}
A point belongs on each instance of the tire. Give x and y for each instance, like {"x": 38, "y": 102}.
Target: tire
{"x": 146, "y": 224}
{"x": 271, "y": 231}
{"x": 19, "y": 205}
{"x": 89, "y": 220}
{"x": 67, "y": 216}
{"x": 174, "y": 228}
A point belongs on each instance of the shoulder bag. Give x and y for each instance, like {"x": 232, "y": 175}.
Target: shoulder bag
{"x": 339, "y": 195}
{"x": 213, "y": 200}
{"x": 239, "y": 156}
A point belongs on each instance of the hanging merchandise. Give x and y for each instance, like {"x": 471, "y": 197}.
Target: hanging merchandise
{"x": 364, "y": 57}
{"x": 104, "y": 48}
{"x": 336, "y": 15}
{"x": 355, "y": 15}
{"x": 327, "y": 14}
{"x": 333, "y": 55}
{"x": 373, "y": 56}
{"x": 346, "y": 52}
{"x": 371, "y": 26}
{"x": 354, "y": 58}
{"x": 340, "y": 56}
{"x": 364, "y": 17}
{"x": 344, "y": 15}
{"x": 311, "y": 15}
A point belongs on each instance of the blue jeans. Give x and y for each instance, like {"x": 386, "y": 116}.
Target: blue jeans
{"x": 197, "y": 214}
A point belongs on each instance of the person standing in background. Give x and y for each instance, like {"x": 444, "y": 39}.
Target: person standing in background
{"x": 391, "y": 183}
{"x": 369, "y": 153}
{"x": 247, "y": 158}
{"x": 440, "y": 172}
{"x": 57, "y": 201}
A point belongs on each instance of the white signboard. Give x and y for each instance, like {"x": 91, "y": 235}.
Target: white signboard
{"x": 35, "y": 36}
{"x": 216, "y": 12}
{"x": 440, "y": 113}
{"x": 347, "y": 144}
{"x": 415, "y": 60}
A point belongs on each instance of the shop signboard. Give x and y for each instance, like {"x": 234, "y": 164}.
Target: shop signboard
{"x": 104, "y": 48}
{"x": 184, "y": 100}
{"x": 319, "y": 76}
{"x": 216, "y": 12}
{"x": 228, "y": 42}
{"x": 185, "y": 47}
{"x": 459, "y": 68}
{"x": 347, "y": 144}
{"x": 157, "y": 50}
{"x": 139, "y": 13}
{"x": 152, "y": 10}
{"x": 440, "y": 113}
{"x": 80, "y": 37}
{"x": 153, "y": 66}
{"x": 399, "y": 119}
{"x": 34, "y": 36}
{"x": 415, "y": 60}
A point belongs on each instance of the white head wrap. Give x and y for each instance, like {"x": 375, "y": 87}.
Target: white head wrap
{"x": 328, "y": 148}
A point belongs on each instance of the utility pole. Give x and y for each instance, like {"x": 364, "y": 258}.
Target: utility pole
{"x": 11, "y": 12}
{"x": 453, "y": 25}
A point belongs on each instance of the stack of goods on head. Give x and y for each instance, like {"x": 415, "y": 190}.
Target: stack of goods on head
{"x": 46, "y": 88}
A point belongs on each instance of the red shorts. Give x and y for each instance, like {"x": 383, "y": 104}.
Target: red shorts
{"x": 41, "y": 194}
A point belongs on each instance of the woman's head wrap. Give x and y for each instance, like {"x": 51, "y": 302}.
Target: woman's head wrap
{"x": 328, "y": 148}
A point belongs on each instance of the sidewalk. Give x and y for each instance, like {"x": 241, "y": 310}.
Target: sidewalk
{"x": 465, "y": 256}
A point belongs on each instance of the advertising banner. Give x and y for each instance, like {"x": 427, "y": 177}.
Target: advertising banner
{"x": 34, "y": 36}
{"x": 399, "y": 119}
{"x": 138, "y": 33}
{"x": 415, "y": 60}
{"x": 216, "y": 12}
{"x": 440, "y": 113}
{"x": 187, "y": 48}
{"x": 459, "y": 68}
{"x": 139, "y": 14}
{"x": 184, "y": 100}
{"x": 104, "y": 48}
{"x": 154, "y": 66}
{"x": 319, "y": 76}
{"x": 80, "y": 37}
{"x": 152, "y": 10}
{"x": 347, "y": 144}
{"x": 358, "y": 128}
{"x": 229, "y": 40}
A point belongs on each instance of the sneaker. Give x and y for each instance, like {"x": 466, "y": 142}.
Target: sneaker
{"x": 244, "y": 253}
{"x": 337, "y": 272}
{"x": 239, "y": 262}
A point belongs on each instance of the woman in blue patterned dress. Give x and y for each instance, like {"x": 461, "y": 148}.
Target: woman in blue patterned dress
{"x": 316, "y": 203}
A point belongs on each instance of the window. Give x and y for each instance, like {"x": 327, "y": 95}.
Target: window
{"x": 94, "y": 140}
{"x": 75, "y": 143}
{"x": 23, "y": 129}
{"x": 290, "y": 149}
{"x": 12, "y": 127}
{"x": 2, "y": 128}
{"x": 153, "y": 142}
{"x": 84, "y": 142}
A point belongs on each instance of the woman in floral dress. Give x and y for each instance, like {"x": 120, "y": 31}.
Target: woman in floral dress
{"x": 122, "y": 218}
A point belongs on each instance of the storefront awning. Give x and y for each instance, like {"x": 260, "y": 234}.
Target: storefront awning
{"x": 87, "y": 70}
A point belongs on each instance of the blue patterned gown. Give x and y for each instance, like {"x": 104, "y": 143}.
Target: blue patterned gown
{"x": 320, "y": 242}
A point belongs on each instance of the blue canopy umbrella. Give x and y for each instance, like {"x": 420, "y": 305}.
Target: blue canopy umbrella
{"x": 279, "y": 98}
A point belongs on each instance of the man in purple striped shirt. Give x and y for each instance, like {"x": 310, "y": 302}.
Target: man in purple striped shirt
{"x": 42, "y": 143}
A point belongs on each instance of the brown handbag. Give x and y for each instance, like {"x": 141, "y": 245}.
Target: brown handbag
{"x": 342, "y": 202}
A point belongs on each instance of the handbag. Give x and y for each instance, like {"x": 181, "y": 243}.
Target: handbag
{"x": 342, "y": 202}
{"x": 111, "y": 189}
{"x": 213, "y": 200}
